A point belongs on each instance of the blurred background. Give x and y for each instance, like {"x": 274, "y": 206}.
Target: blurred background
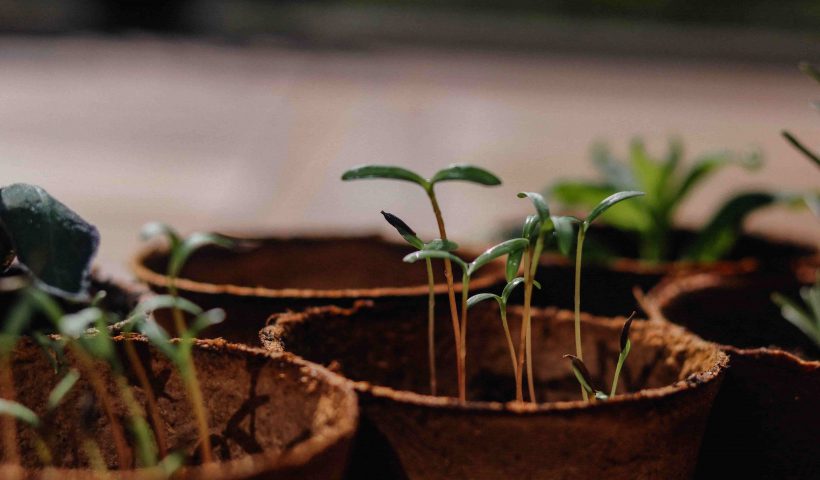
{"x": 242, "y": 114}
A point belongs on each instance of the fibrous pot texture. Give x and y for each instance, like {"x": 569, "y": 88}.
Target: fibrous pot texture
{"x": 765, "y": 421}
{"x": 608, "y": 282}
{"x": 653, "y": 430}
{"x": 275, "y": 274}
{"x": 270, "y": 416}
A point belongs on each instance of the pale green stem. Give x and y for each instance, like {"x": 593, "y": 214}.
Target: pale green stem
{"x": 579, "y": 250}
{"x": 465, "y": 293}
{"x": 503, "y": 307}
{"x": 431, "y": 326}
{"x": 522, "y": 346}
{"x": 528, "y": 284}
{"x": 191, "y": 381}
{"x": 621, "y": 360}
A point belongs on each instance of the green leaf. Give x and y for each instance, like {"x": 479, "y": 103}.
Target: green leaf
{"x": 62, "y": 388}
{"x": 159, "y": 229}
{"x": 161, "y": 302}
{"x": 52, "y": 242}
{"x": 647, "y": 172}
{"x": 530, "y": 228}
{"x": 608, "y": 203}
{"x": 710, "y": 164}
{"x": 404, "y": 230}
{"x": 205, "y": 320}
{"x": 478, "y": 298}
{"x": 467, "y": 173}
{"x": 797, "y": 316}
{"x": 508, "y": 289}
{"x": 630, "y": 216}
{"x": 159, "y": 339}
{"x": 513, "y": 264}
{"x": 496, "y": 251}
{"x": 581, "y": 373}
{"x": 540, "y": 206}
{"x": 19, "y": 411}
{"x": 416, "y": 256}
{"x": 193, "y": 243}
{"x": 75, "y": 325}
{"x": 809, "y": 70}
{"x": 385, "y": 172}
{"x": 802, "y": 148}
{"x": 439, "y": 244}
{"x": 625, "y": 332}
{"x": 718, "y": 237}
{"x": 565, "y": 233}
{"x": 811, "y": 295}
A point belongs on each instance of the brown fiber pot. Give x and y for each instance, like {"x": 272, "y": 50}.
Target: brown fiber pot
{"x": 607, "y": 287}
{"x": 766, "y": 417}
{"x": 653, "y": 431}
{"x": 271, "y": 416}
{"x": 290, "y": 273}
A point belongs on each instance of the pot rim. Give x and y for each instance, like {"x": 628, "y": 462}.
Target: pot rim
{"x": 671, "y": 287}
{"x": 341, "y": 430}
{"x": 490, "y": 275}
{"x": 414, "y": 399}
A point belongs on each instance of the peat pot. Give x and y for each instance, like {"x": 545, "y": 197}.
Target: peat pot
{"x": 766, "y": 418}
{"x": 652, "y": 431}
{"x": 607, "y": 287}
{"x": 275, "y": 274}
{"x": 271, "y": 416}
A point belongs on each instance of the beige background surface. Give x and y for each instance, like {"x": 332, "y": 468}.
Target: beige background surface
{"x": 208, "y": 135}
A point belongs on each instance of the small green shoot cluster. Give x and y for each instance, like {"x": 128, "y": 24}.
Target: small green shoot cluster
{"x": 806, "y": 318}
{"x": 522, "y": 254}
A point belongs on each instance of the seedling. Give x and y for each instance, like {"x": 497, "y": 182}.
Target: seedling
{"x": 467, "y": 270}
{"x": 667, "y": 184}
{"x": 502, "y": 307}
{"x": 805, "y": 317}
{"x": 466, "y": 173}
{"x": 581, "y": 373}
{"x": 410, "y": 236}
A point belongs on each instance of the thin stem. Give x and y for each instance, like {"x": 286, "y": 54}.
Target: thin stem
{"x": 11, "y": 454}
{"x": 522, "y": 346}
{"x": 448, "y": 275}
{"x": 579, "y": 250}
{"x": 503, "y": 308}
{"x": 191, "y": 382}
{"x": 139, "y": 427}
{"x": 529, "y": 279}
{"x": 151, "y": 399}
{"x": 620, "y": 364}
{"x": 179, "y": 318}
{"x": 465, "y": 292}
{"x": 431, "y": 326}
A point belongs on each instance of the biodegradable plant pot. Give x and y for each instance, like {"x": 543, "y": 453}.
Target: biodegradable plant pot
{"x": 270, "y": 416}
{"x": 607, "y": 287}
{"x": 653, "y": 431}
{"x": 766, "y": 419}
{"x": 294, "y": 273}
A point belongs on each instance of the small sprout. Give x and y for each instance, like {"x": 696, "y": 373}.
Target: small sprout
{"x": 581, "y": 373}
{"x": 805, "y": 317}
{"x": 62, "y": 388}
{"x": 19, "y": 412}
{"x": 625, "y": 345}
{"x": 625, "y": 332}
{"x": 404, "y": 230}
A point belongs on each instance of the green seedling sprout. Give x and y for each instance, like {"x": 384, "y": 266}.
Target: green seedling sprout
{"x": 668, "y": 184}
{"x": 467, "y": 270}
{"x": 466, "y": 173}
{"x": 625, "y": 345}
{"x": 805, "y": 317}
{"x": 602, "y": 207}
{"x": 410, "y": 236}
{"x": 502, "y": 307}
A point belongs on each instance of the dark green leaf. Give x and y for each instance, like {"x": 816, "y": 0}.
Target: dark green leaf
{"x": 508, "y": 289}
{"x": 540, "y": 206}
{"x": 608, "y": 203}
{"x": 719, "y": 236}
{"x": 476, "y": 299}
{"x": 708, "y": 165}
{"x": 51, "y": 241}
{"x": 565, "y": 233}
{"x": 439, "y": 244}
{"x": 386, "y": 172}
{"x": 19, "y": 411}
{"x": 467, "y": 173}
{"x": 416, "y": 256}
{"x": 404, "y": 230}
{"x": 193, "y": 243}
{"x": 581, "y": 373}
{"x": 496, "y": 251}
{"x": 62, "y": 388}
{"x": 625, "y": 331}
{"x": 513, "y": 264}
{"x": 159, "y": 229}
{"x": 802, "y": 148}
{"x": 531, "y": 228}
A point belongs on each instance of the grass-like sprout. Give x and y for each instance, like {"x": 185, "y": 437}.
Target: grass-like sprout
{"x": 467, "y": 173}
{"x": 467, "y": 271}
{"x": 804, "y": 317}
{"x": 502, "y": 307}
{"x": 813, "y": 72}
{"x": 581, "y": 373}
{"x": 668, "y": 184}
{"x": 180, "y": 250}
{"x": 410, "y": 237}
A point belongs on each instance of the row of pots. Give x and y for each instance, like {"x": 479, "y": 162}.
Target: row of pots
{"x": 764, "y": 400}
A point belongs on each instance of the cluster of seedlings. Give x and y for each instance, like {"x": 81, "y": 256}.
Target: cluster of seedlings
{"x": 523, "y": 254}
{"x": 54, "y": 246}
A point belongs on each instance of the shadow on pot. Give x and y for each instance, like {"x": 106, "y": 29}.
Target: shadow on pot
{"x": 270, "y": 416}
{"x": 653, "y": 430}
{"x": 765, "y": 421}
{"x": 292, "y": 273}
